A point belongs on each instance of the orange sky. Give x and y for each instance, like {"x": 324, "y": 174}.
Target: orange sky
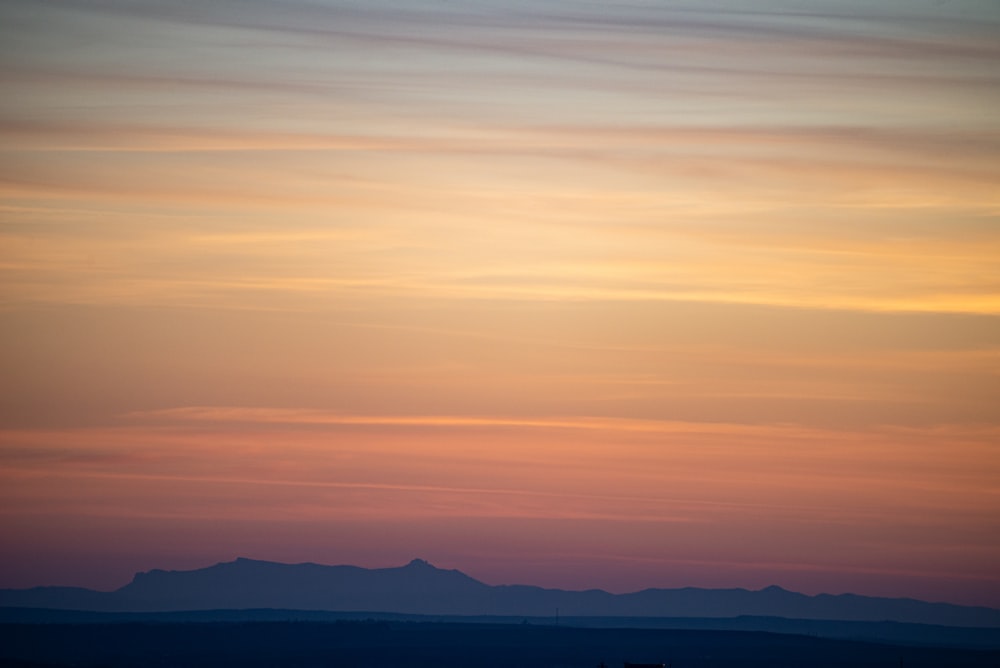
{"x": 561, "y": 294}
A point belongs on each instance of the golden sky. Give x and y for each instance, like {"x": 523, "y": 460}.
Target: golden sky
{"x": 562, "y": 293}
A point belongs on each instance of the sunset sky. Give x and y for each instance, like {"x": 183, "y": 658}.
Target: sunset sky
{"x": 575, "y": 294}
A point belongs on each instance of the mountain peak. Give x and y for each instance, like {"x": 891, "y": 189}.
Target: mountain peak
{"x": 421, "y": 588}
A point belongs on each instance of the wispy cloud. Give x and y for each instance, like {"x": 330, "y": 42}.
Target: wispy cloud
{"x": 226, "y": 414}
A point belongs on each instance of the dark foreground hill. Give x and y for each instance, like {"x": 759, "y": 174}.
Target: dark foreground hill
{"x": 419, "y": 588}
{"x": 443, "y": 645}
{"x": 894, "y": 633}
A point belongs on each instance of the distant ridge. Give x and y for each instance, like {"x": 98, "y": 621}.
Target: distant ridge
{"x": 422, "y": 589}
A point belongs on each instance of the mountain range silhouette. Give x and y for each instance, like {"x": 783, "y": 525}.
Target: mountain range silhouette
{"x": 420, "y": 588}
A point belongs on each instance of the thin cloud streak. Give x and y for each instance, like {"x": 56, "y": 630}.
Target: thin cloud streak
{"x": 299, "y": 416}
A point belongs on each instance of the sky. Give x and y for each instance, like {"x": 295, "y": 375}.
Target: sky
{"x": 565, "y": 293}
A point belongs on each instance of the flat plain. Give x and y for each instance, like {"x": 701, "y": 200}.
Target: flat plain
{"x": 380, "y": 644}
